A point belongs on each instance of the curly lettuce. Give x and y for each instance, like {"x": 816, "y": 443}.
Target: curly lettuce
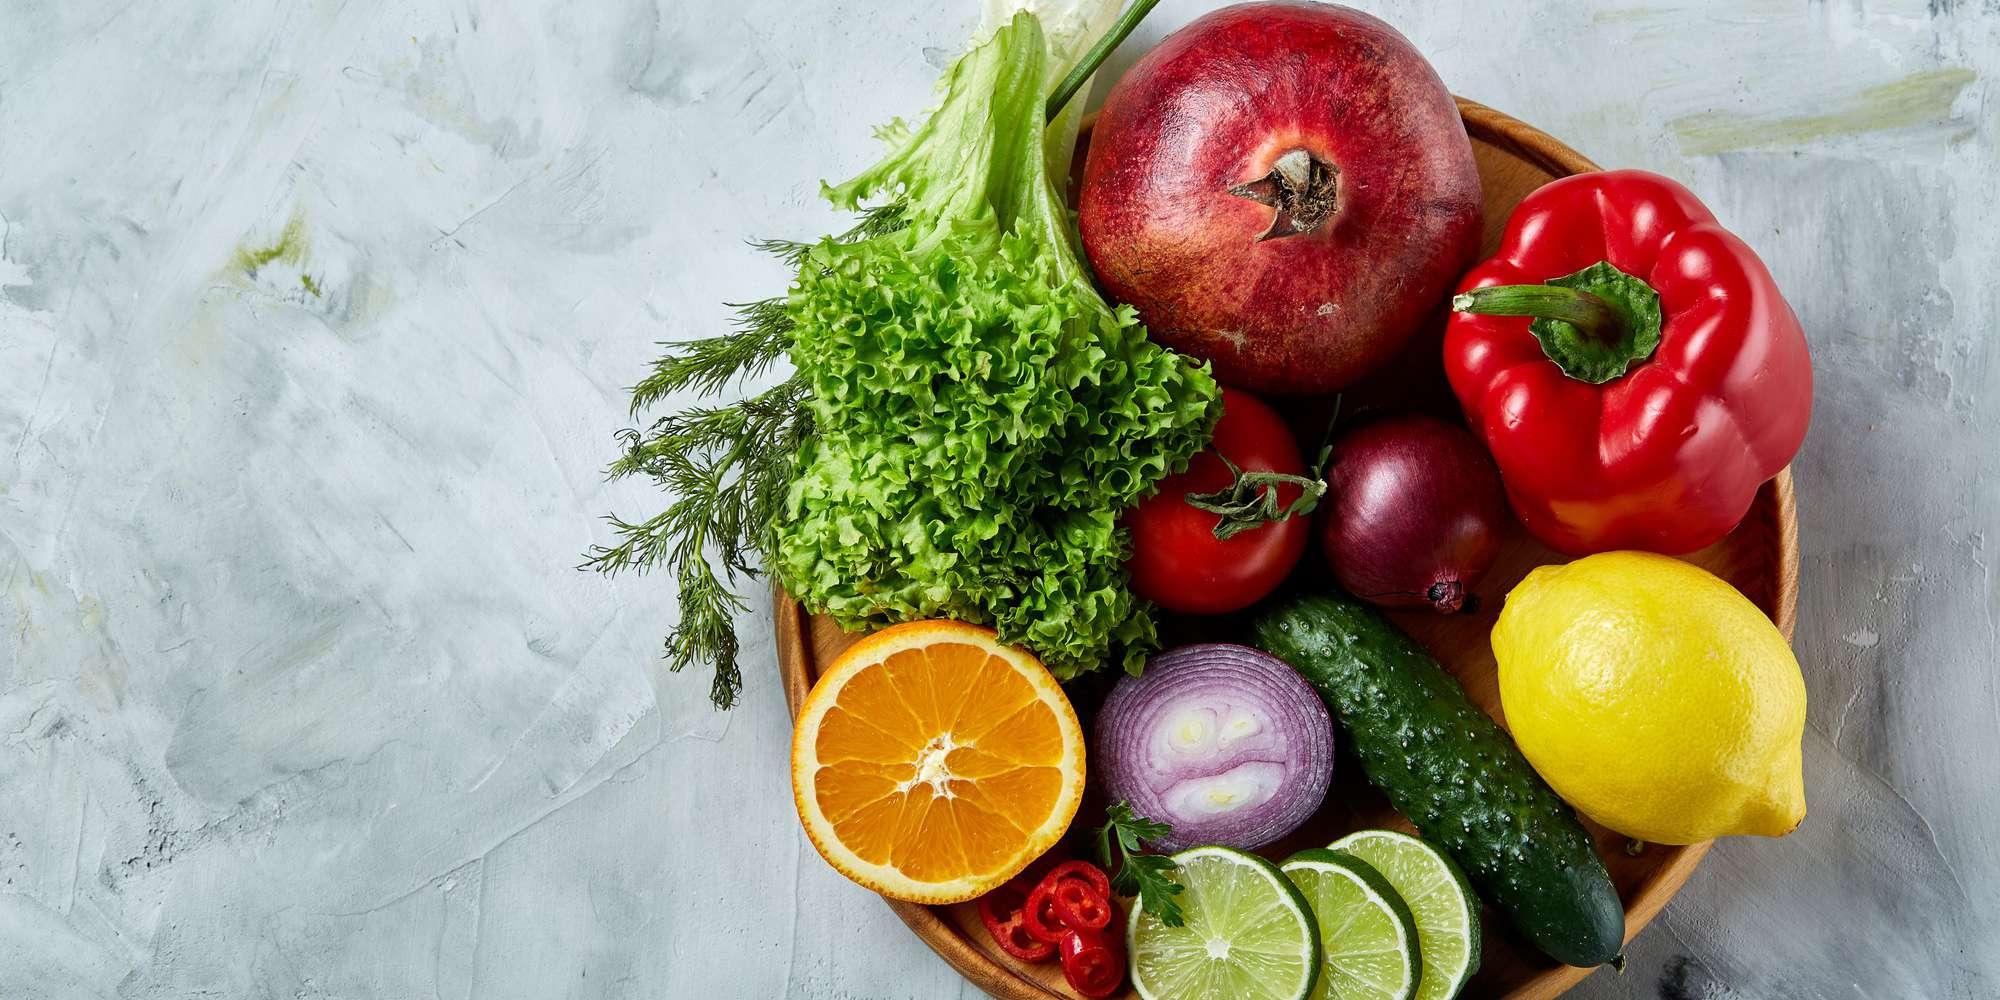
{"x": 967, "y": 416}
{"x": 981, "y": 415}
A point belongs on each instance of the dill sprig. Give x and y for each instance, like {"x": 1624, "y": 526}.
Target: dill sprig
{"x": 708, "y": 366}
{"x": 727, "y": 467}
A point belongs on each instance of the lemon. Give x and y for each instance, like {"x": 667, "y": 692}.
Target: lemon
{"x": 1654, "y": 697}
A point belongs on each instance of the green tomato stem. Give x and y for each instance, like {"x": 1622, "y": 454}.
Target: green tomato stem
{"x": 1098, "y": 53}
{"x": 1251, "y": 499}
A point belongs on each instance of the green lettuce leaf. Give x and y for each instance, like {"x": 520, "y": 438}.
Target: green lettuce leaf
{"x": 980, "y": 414}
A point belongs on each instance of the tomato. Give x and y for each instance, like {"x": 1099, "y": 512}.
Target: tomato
{"x": 1177, "y": 562}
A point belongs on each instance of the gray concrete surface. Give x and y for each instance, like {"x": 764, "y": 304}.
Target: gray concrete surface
{"x": 300, "y": 697}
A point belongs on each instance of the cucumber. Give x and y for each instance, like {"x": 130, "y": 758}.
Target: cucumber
{"x": 1454, "y": 772}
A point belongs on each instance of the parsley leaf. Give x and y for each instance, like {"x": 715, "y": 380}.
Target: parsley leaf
{"x": 1147, "y": 876}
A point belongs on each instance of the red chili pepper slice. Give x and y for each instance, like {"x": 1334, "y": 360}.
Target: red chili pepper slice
{"x": 1000, "y": 904}
{"x": 1093, "y": 962}
{"x": 1080, "y": 906}
{"x": 1013, "y": 938}
{"x": 1039, "y": 916}
{"x": 1083, "y": 870}
{"x": 1000, "y": 911}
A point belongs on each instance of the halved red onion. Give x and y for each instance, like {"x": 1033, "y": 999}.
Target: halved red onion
{"x": 1226, "y": 744}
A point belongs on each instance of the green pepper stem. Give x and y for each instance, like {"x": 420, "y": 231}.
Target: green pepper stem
{"x": 1098, "y": 53}
{"x": 1598, "y": 317}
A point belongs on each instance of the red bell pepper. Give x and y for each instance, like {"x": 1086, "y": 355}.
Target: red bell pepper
{"x": 1631, "y": 365}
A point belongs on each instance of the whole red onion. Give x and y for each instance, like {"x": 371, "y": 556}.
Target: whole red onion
{"x": 1413, "y": 513}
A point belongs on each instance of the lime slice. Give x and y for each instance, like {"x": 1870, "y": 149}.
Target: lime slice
{"x": 1248, "y": 934}
{"x": 1367, "y": 941}
{"x": 1438, "y": 896}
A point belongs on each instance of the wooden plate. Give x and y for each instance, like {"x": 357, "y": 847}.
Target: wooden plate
{"x": 1760, "y": 558}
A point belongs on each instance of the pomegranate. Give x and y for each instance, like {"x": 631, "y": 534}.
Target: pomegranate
{"x": 1284, "y": 189}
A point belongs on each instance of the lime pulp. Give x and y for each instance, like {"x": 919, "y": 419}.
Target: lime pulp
{"x": 1248, "y": 934}
{"x": 1439, "y": 898}
{"x": 1368, "y": 941}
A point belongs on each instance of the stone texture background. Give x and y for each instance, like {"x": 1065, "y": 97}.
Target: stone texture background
{"x": 314, "y": 318}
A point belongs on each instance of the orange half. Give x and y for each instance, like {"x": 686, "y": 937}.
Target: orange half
{"x": 932, "y": 762}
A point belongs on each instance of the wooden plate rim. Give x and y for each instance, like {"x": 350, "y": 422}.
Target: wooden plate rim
{"x": 1546, "y": 152}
